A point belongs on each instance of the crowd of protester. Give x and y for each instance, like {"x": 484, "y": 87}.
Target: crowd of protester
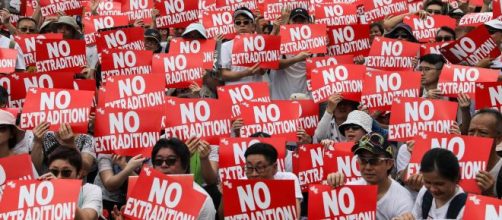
{"x": 432, "y": 194}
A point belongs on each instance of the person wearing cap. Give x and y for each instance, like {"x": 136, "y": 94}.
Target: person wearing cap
{"x": 402, "y": 31}
{"x": 495, "y": 29}
{"x": 195, "y": 31}
{"x": 8, "y": 133}
{"x": 357, "y": 125}
{"x": 68, "y": 26}
{"x": 336, "y": 113}
{"x": 152, "y": 40}
{"x": 431, "y": 7}
{"x": 375, "y": 157}
{"x": 291, "y": 77}
{"x": 8, "y": 43}
{"x": 244, "y": 22}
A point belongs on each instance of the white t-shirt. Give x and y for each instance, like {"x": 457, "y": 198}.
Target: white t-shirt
{"x": 25, "y": 145}
{"x": 91, "y": 198}
{"x": 396, "y": 201}
{"x": 434, "y": 212}
{"x": 495, "y": 172}
{"x": 208, "y": 211}
{"x": 288, "y": 81}
{"x": 403, "y": 157}
{"x": 5, "y": 43}
{"x": 226, "y": 63}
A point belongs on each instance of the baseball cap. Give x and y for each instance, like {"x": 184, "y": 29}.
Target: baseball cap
{"x": 152, "y": 33}
{"x": 374, "y": 143}
{"x": 401, "y": 26}
{"x": 195, "y": 27}
{"x": 68, "y": 21}
{"x": 299, "y": 12}
{"x": 245, "y": 12}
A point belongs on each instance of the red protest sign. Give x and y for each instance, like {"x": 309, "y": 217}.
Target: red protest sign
{"x": 207, "y": 5}
{"x": 127, "y": 132}
{"x": 249, "y": 49}
{"x": 497, "y": 5}
{"x": 179, "y": 73}
{"x": 475, "y": 19}
{"x": 202, "y": 118}
{"x": 309, "y": 117}
{"x": 278, "y": 119}
{"x": 60, "y": 55}
{"x": 244, "y": 92}
{"x": 308, "y": 165}
{"x": 327, "y": 81}
{"x": 8, "y": 60}
{"x": 412, "y": 116}
{"x": 339, "y": 158}
{"x": 316, "y": 62}
{"x": 194, "y": 46}
{"x": 376, "y": 10}
{"x": 334, "y": 14}
{"x": 415, "y": 5}
{"x": 135, "y": 92}
{"x": 138, "y": 10}
{"x": 84, "y": 84}
{"x": 380, "y": 88}
{"x": 218, "y": 22}
{"x": 176, "y": 14}
{"x": 98, "y": 22}
{"x": 296, "y": 38}
{"x": 27, "y": 44}
{"x": 68, "y": 7}
{"x": 29, "y": 198}
{"x": 482, "y": 207}
{"x": 124, "y": 38}
{"x": 273, "y": 8}
{"x": 326, "y": 202}
{"x": 278, "y": 199}
{"x": 390, "y": 54}
{"x": 457, "y": 79}
{"x": 472, "y": 154}
{"x": 5, "y": 81}
{"x": 432, "y": 48}
{"x": 471, "y": 48}
{"x": 21, "y": 82}
{"x": 117, "y": 62}
{"x": 105, "y": 8}
{"x": 57, "y": 106}
{"x": 232, "y": 5}
{"x": 16, "y": 167}
{"x": 425, "y": 30}
{"x": 346, "y": 40}
{"x": 167, "y": 195}
{"x": 232, "y": 160}
{"x": 489, "y": 95}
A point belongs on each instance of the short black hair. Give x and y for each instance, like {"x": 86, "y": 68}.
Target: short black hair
{"x": 26, "y": 18}
{"x": 378, "y": 25}
{"x": 434, "y": 59}
{"x": 496, "y": 114}
{"x": 449, "y": 30}
{"x": 267, "y": 150}
{"x": 4, "y": 96}
{"x": 443, "y": 161}
{"x": 260, "y": 134}
{"x": 179, "y": 148}
{"x": 436, "y": 2}
{"x": 13, "y": 139}
{"x": 66, "y": 153}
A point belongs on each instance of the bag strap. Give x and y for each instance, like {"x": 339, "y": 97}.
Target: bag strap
{"x": 498, "y": 187}
{"x": 426, "y": 204}
{"x": 456, "y": 205}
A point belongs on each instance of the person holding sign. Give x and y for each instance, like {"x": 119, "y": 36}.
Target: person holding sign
{"x": 375, "y": 157}
{"x": 336, "y": 113}
{"x": 441, "y": 197}
{"x": 66, "y": 163}
{"x": 430, "y": 67}
{"x": 244, "y": 22}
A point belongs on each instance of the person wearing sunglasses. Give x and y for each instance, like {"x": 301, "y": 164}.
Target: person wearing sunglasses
{"x": 375, "y": 157}
{"x": 495, "y": 30}
{"x": 357, "y": 125}
{"x": 244, "y": 23}
{"x": 445, "y": 34}
{"x": 66, "y": 163}
{"x": 402, "y": 31}
{"x": 27, "y": 25}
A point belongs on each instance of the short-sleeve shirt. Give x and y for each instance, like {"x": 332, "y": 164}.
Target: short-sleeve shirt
{"x": 226, "y": 63}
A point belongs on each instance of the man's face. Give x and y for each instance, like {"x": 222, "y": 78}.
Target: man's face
{"x": 62, "y": 169}
{"x": 151, "y": 44}
{"x": 257, "y": 167}
{"x": 66, "y": 30}
{"x": 27, "y": 27}
{"x": 440, "y": 187}
{"x": 429, "y": 73}
{"x": 434, "y": 9}
{"x": 167, "y": 162}
{"x": 244, "y": 25}
{"x": 374, "y": 167}
{"x": 484, "y": 125}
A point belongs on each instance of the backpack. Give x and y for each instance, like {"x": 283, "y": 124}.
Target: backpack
{"x": 454, "y": 208}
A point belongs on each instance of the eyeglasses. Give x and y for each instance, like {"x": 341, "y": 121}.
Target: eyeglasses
{"x": 371, "y": 161}
{"x": 4, "y": 128}
{"x": 434, "y": 12}
{"x": 27, "y": 30}
{"x": 64, "y": 173}
{"x": 352, "y": 127}
{"x": 259, "y": 169}
{"x": 443, "y": 38}
{"x": 244, "y": 22}
{"x": 426, "y": 69}
{"x": 169, "y": 161}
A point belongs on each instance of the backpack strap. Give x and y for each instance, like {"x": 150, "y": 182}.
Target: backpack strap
{"x": 12, "y": 44}
{"x": 456, "y": 205}
{"x": 498, "y": 187}
{"x": 426, "y": 204}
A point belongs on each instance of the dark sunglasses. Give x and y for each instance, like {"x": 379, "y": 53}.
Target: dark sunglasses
{"x": 443, "y": 38}
{"x": 245, "y": 22}
{"x": 64, "y": 173}
{"x": 4, "y": 128}
{"x": 27, "y": 30}
{"x": 371, "y": 161}
{"x": 168, "y": 161}
{"x": 434, "y": 12}
{"x": 352, "y": 127}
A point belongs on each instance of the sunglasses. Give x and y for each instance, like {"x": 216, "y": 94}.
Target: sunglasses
{"x": 434, "y": 12}
{"x": 245, "y": 22}
{"x": 443, "y": 38}
{"x": 64, "y": 173}
{"x": 27, "y": 30}
{"x": 4, "y": 128}
{"x": 168, "y": 161}
{"x": 353, "y": 127}
{"x": 371, "y": 161}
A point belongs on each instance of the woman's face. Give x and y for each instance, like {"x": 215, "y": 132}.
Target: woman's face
{"x": 167, "y": 162}
{"x": 375, "y": 32}
{"x": 440, "y": 187}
